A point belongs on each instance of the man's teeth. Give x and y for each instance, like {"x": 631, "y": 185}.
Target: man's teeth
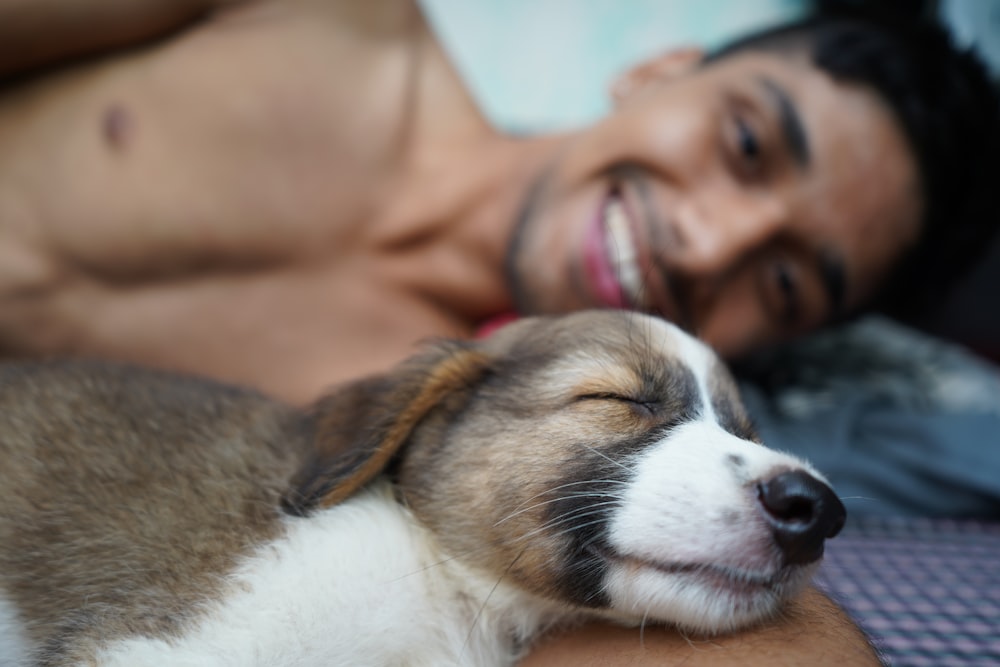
{"x": 622, "y": 252}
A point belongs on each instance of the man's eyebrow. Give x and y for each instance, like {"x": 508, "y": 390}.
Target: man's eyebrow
{"x": 834, "y": 279}
{"x": 789, "y": 120}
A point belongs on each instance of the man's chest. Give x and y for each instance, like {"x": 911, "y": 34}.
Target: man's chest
{"x": 292, "y": 333}
{"x": 233, "y": 141}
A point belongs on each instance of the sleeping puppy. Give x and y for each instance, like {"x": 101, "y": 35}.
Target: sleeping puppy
{"x": 597, "y": 464}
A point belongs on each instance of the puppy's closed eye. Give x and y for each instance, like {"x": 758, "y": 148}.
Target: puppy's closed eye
{"x": 644, "y": 406}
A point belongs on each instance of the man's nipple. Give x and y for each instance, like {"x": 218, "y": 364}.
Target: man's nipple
{"x": 117, "y": 127}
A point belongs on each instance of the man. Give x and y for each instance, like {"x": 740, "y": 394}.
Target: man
{"x": 288, "y": 194}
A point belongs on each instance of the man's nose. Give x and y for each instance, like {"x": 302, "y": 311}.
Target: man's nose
{"x": 716, "y": 235}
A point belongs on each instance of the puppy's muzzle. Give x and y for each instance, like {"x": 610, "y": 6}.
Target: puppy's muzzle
{"x": 802, "y": 512}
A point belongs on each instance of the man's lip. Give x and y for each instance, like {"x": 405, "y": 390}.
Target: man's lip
{"x": 660, "y": 294}
{"x": 639, "y": 222}
{"x": 660, "y": 297}
{"x": 601, "y": 280}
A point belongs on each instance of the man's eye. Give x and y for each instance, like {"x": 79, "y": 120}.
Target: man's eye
{"x": 746, "y": 141}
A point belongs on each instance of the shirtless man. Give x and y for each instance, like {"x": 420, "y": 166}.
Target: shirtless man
{"x": 288, "y": 193}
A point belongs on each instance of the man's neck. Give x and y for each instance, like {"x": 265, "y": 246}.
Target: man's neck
{"x": 454, "y": 209}
{"x": 455, "y": 214}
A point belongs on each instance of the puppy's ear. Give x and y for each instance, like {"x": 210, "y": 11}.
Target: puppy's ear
{"x": 360, "y": 427}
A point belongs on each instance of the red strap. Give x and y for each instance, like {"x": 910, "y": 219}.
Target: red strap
{"x": 494, "y": 323}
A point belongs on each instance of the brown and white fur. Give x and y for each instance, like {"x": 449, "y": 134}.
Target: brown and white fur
{"x": 441, "y": 514}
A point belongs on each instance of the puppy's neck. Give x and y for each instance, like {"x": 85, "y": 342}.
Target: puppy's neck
{"x": 335, "y": 583}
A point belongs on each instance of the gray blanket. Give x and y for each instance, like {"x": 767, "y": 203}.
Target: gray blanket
{"x": 901, "y": 423}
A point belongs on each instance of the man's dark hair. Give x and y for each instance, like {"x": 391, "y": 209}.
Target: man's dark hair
{"x": 947, "y": 106}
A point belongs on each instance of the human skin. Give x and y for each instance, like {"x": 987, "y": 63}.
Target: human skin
{"x": 809, "y": 632}
{"x": 190, "y": 204}
{"x": 291, "y": 194}
{"x": 194, "y": 205}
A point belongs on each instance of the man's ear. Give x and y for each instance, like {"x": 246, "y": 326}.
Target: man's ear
{"x": 359, "y": 428}
{"x": 655, "y": 71}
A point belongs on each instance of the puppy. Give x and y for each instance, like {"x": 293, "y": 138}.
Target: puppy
{"x": 444, "y": 513}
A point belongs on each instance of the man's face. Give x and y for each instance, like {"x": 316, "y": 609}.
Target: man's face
{"x": 748, "y": 200}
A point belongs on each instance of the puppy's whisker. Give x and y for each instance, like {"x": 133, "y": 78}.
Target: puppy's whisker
{"x": 438, "y": 563}
{"x": 859, "y": 498}
{"x": 555, "y": 500}
{"x": 482, "y": 607}
{"x": 687, "y": 637}
{"x": 606, "y": 457}
{"x": 572, "y": 494}
{"x": 591, "y": 541}
{"x": 588, "y": 510}
{"x": 562, "y": 519}
{"x": 572, "y": 529}
{"x": 590, "y": 482}
{"x": 567, "y": 518}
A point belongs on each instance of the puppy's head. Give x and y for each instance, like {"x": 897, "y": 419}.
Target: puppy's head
{"x": 600, "y": 459}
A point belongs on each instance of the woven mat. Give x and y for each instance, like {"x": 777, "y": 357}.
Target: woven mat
{"x": 927, "y": 591}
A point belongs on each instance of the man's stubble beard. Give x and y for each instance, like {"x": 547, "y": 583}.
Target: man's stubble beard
{"x": 516, "y": 270}
{"x": 524, "y": 302}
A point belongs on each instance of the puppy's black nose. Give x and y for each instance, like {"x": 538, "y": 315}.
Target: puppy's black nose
{"x": 802, "y": 512}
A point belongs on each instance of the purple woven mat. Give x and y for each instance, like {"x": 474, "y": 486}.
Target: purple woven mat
{"x": 927, "y": 591}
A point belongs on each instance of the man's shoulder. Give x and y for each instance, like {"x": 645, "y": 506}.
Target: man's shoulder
{"x": 382, "y": 20}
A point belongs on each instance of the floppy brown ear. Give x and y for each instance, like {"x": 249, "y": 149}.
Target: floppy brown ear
{"x": 360, "y": 427}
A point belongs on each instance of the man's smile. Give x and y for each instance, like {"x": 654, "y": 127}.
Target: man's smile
{"x": 619, "y": 266}
{"x": 611, "y": 273}
{"x": 622, "y": 253}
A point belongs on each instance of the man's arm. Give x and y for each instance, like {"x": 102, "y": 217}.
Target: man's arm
{"x": 812, "y": 631}
{"x": 37, "y": 33}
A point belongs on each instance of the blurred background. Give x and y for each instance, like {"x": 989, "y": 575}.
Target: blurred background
{"x": 545, "y": 64}
{"x": 542, "y": 65}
